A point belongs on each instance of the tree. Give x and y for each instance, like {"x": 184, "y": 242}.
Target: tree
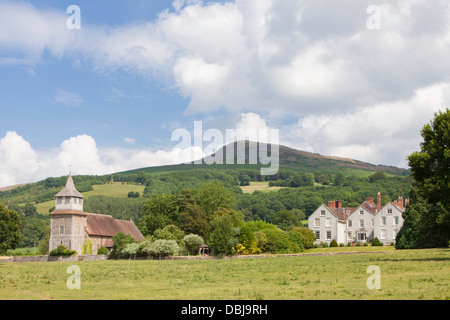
{"x": 377, "y": 176}
{"x": 192, "y": 242}
{"x": 339, "y": 179}
{"x": 194, "y": 220}
{"x": 285, "y": 219}
{"x": 221, "y": 238}
{"x": 121, "y": 240}
{"x": 245, "y": 180}
{"x": 10, "y": 226}
{"x": 430, "y": 168}
{"x": 157, "y": 212}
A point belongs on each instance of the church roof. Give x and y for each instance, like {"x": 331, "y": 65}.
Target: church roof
{"x": 104, "y": 225}
{"x": 69, "y": 190}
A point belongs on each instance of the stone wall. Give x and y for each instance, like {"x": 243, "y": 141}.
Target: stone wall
{"x": 54, "y": 258}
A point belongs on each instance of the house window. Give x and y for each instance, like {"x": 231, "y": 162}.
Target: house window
{"x": 361, "y": 212}
{"x": 328, "y": 235}
{"x": 67, "y": 200}
{"x": 361, "y": 237}
{"x": 349, "y": 236}
{"x": 383, "y": 234}
{"x": 349, "y": 223}
{"x": 322, "y": 212}
{"x": 390, "y": 210}
{"x": 396, "y": 220}
{"x": 371, "y": 223}
{"x": 316, "y": 222}
{"x": 59, "y": 200}
{"x": 361, "y": 223}
{"x": 61, "y": 230}
{"x": 317, "y": 235}
{"x": 328, "y": 222}
{"x": 383, "y": 221}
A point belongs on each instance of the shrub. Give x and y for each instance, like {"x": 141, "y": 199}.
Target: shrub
{"x": 103, "y": 250}
{"x": 163, "y": 248}
{"x": 62, "y": 251}
{"x": 130, "y": 250}
{"x": 333, "y": 243}
{"x": 297, "y": 241}
{"x": 376, "y": 242}
{"x": 277, "y": 241}
{"x": 192, "y": 242}
{"x": 308, "y": 236}
{"x": 120, "y": 241}
{"x": 341, "y": 245}
{"x": 325, "y": 245}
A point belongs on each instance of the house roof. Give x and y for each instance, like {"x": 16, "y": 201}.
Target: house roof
{"x": 69, "y": 190}
{"x": 341, "y": 213}
{"x": 369, "y": 206}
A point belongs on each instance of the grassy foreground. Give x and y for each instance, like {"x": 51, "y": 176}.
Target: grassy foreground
{"x": 407, "y": 274}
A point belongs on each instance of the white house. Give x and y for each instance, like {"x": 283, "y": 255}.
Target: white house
{"x": 357, "y": 224}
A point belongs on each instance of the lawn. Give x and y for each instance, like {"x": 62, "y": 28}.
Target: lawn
{"x": 115, "y": 189}
{"x": 406, "y": 274}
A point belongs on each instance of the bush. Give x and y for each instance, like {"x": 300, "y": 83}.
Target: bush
{"x": 120, "y": 242}
{"x": 130, "y": 250}
{"x": 163, "y": 248}
{"x": 325, "y": 245}
{"x": 103, "y": 250}
{"x": 341, "y": 245}
{"x": 62, "y": 251}
{"x": 333, "y": 244}
{"x": 376, "y": 242}
{"x": 192, "y": 242}
{"x": 277, "y": 241}
{"x": 308, "y": 236}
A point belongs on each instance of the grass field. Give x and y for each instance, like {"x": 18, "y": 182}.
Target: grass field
{"x": 262, "y": 186}
{"x": 406, "y": 274}
{"x": 115, "y": 189}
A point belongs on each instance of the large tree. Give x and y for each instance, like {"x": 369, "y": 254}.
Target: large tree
{"x": 430, "y": 168}
{"x": 10, "y": 226}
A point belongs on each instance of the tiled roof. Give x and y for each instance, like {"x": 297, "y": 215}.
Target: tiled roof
{"x": 103, "y": 225}
{"x": 342, "y": 213}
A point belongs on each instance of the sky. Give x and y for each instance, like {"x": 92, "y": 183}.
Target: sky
{"x": 102, "y": 89}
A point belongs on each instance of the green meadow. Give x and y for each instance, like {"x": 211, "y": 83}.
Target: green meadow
{"x": 115, "y": 189}
{"x": 406, "y": 274}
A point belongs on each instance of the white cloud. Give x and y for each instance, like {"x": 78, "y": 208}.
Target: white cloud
{"x": 129, "y": 140}
{"x": 20, "y": 163}
{"x": 67, "y": 98}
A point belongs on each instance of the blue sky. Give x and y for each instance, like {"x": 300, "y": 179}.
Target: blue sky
{"x": 336, "y": 78}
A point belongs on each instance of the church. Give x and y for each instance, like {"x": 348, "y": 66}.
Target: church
{"x": 72, "y": 227}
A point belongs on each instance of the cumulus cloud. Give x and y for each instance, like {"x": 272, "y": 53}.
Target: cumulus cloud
{"x": 340, "y": 87}
{"x": 21, "y": 163}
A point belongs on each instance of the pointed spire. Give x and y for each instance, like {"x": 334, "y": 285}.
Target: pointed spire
{"x": 69, "y": 190}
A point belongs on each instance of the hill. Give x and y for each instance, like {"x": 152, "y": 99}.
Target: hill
{"x": 289, "y": 159}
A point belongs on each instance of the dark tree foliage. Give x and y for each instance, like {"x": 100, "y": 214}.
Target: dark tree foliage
{"x": 10, "y": 225}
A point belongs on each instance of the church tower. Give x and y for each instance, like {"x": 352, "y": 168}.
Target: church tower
{"x": 68, "y": 221}
{"x": 69, "y": 198}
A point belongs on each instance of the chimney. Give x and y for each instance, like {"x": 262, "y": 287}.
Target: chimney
{"x": 400, "y": 202}
{"x": 370, "y": 200}
{"x": 332, "y": 204}
{"x": 378, "y": 202}
{"x": 338, "y": 204}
